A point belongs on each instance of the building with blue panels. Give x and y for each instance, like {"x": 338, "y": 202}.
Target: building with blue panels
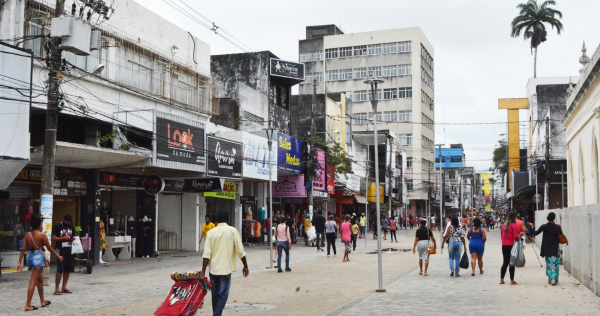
{"x": 453, "y": 157}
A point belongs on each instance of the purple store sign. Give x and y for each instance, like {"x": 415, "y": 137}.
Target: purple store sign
{"x": 290, "y": 186}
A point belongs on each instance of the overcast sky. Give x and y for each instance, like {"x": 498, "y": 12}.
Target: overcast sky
{"x": 476, "y": 60}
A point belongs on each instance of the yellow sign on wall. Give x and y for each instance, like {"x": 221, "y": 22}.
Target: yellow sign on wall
{"x": 227, "y": 193}
{"x": 372, "y": 194}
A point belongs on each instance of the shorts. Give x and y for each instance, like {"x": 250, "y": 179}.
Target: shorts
{"x": 35, "y": 259}
{"x": 68, "y": 263}
{"x": 476, "y": 248}
{"x": 348, "y": 245}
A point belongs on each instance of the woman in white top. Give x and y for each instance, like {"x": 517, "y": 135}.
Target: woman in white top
{"x": 331, "y": 229}
{"x": 282, "y": 233}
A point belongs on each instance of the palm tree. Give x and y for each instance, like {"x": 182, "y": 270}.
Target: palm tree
{"x": 531, "y": 20}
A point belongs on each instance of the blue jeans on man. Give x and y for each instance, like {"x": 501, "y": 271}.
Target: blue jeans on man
{"x": 454, "y": 256}
{"x": 220, "y": 292}
{"x": 283, "y": 245}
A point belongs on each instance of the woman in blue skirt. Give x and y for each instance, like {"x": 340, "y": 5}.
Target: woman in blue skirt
{"x": 477, "y": 238}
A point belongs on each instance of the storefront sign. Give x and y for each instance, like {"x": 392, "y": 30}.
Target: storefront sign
{"x": 330, "y": 178}
{"x": 12, "y": 201}
{"x": 287, "y": 69}
{"x": 294, "y": 201}
{"x": 290, "y": 186}
{"x": 227, "y": 193}
{"x": 372, "y": 194}
{"x": 154, "y": 184}
{"x": 224, "y": 158}
{"x": 46, "y": 204}
{"x": 67, "y": 181}
{"x": 320, "y": 180}
{"x": 289, "y": 154}
{"x": 353, "y": 183}
{"x": 276, "y": 201}
{"x": 204, "y": 185}
{"x": 120, "y": 179}
{"x": 256, "y": 157}
{"x": 179, "y": 142}
{"x": 248, "y": 200}
{"x": 345, "y": 201}
{"x": 174, "y": 186}
{"x": 320, "y": 194}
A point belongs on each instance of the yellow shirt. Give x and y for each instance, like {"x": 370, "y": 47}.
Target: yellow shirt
{"x": 355, "y": 229}
{"x": 306, "y": 225}
{"x": 206, "y": 228}
{"x": 363, "y": 220}
{"x": 223, "y": 243}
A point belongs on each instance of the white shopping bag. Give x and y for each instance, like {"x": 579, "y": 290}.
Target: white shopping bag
{"x": 311, "y": 233}
{"x": 77, "y": 246}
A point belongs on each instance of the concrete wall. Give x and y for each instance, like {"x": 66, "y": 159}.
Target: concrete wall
{"x": 581, "y": 257}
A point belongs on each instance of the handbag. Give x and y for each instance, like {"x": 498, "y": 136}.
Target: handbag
{"x": 76, "y": 247}
{"x": 431, "y": 249}
{"x": 464, "y": 261}
{"x": 562, "y": 239}
{"x": 517, "y": 256}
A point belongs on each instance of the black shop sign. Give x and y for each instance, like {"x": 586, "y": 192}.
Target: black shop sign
{"x": 224, "y": 158}
{"x": 204, "y": 185}
{"x": 287, "y": 69}
{"x": 120, "y": 179}
{"x": 179, "y": 142}
{"x": 154, "y": 184}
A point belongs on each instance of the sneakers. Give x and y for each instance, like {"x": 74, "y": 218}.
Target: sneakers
{"x": 279, "y": 270}
{"x": 288, "y": 269}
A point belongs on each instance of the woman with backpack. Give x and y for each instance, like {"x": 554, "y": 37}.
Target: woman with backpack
{"x": 550, "y": 247}
{"x": 477, "y": 238}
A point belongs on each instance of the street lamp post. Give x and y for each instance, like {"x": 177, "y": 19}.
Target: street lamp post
{"x": 270, "y": 131}
{"x": 373, "y": 83}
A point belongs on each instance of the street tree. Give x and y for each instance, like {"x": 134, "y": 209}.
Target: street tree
{"x": 532, "y": 20}
{"x": 500, "y": 160}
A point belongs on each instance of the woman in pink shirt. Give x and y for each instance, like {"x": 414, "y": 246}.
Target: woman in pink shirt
{"x": 282, "y": 233}
{"x": 345, "y": 232}
{"x": 509, "y": 232}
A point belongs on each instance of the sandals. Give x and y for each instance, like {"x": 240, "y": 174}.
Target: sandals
{"x": 47, "y": 303}
{"x": 32, "y": 309}
{"x": 56, "y": 292}
{"x": 67, "y": 291}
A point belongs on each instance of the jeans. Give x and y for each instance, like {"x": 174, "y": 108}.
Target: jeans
{"x": 362, "y": 230}
{"x": 506, "y": 250}
{"x": 454, "y": 256}
{"x": 330, "y": 242}
{"x": 393, "y": 235}
{"x": 220, "y": 292}
{"x": 353, "y": 238}
{"x": 322, "y": 243}
{"x": 283, "y": 245}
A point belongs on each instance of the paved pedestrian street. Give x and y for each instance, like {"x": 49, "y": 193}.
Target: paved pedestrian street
{"x": 319, "y": 285}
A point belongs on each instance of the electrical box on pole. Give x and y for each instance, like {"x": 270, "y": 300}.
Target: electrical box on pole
{"x": 75, "y": 34}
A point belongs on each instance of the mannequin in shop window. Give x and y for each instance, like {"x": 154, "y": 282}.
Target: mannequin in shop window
{"x": 131, "y": 231}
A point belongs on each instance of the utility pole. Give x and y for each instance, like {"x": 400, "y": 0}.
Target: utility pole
{"x": 441, "y": 198}
{"x": 390, "y": 174}
{"x": 547, "y": 169}
{"x": 428, "y": 191}
{"x": 311, "y": 153}
{"x": 460, "y": 192}
{"x": 367, "y": 196}
{"x": 270, "y": 131}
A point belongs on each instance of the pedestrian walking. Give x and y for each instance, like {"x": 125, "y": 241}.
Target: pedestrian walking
{"x": 208, "y": 225}
{"x": 354, "y": 235}
{"x": 363, "y": 223}
{"x": 319, "y": 223}
{"x": 411, "y": 221}
{"x": 422, "y": 237}
{"x": 393, "y": 228}
{"x": 509, "y": 233}
{"x": 346, "y": 236}
{"x": 464, "y": 223}
{"x": 289, "y": 221}
{"x": 477, "y": 238}
{"x": 283, "y": 236}
{"x": 307, "y": 225}
{"x": 223, "y": 244}
{"x": 63, "y": 235}
{"x": 374, "y": 226}
{"x": 550, "y": 247}
{"x": 36, "y": 261}
{"x": 456, "y": 237}
{"x": 385, "y": 225}
{"x": 331, "y": 229}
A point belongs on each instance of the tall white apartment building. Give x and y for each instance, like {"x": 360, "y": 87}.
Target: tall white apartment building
{"x": 403, "y": 58}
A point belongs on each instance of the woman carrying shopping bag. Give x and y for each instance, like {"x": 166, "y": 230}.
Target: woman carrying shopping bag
{"x": 550, "y": 246}
{"x": 510, "y": 233}
{"x": 456, "y": 236}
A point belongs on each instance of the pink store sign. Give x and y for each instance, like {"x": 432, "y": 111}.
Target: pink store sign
{"x": 290, "y": 186}
{"x": 319, "y": 182}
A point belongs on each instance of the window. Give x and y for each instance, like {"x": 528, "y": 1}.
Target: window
{"x": 390, "y": 93}
{"x": 427, "y": 122}
{"x": 455, "y": 159}
{"x": 404, "y": 70}
{"x": 318, "y": 76}
{"x": 360, "y": 118}
{"x": 426, "y": 100}
{"x": 378, "y": 94}
{"x": 349, "y": 95}
{"x": 390, "y": 116}
{"x": 345, "y": 74}
{"x": 404, "y": 93}
{"x": 426, "y": 142}
{"x": 317, "y": 55}
{"x": 375, "y": 72}
{"x": 360, "y": 73}
{"x": 332, "y": 75}
{"x": 404, "y": 116}
{"x": 426, "y": 78}
{"x": 389, "y": 48}
{"x": 389, "y": 71}
{"x": 426, "y": 57}
{"x": 360, "y": 50}
{"x": 308, "y": 78}
{"x": 404, "y": 47}
{"x": 409, "y": 185}
{"x": 379, "y": 117}
{"x": 306, "y": 57}
{"x": 360, "y": 96}
{"x": 375, "y": 49}
{"x": 331, "y": 53}
{"x": 345, "y": 52}
{"x": 405, "y": 139}
{"x": 409, "y": 162}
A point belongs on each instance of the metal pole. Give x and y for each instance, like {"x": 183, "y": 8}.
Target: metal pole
{"x": 442, "y": 223}
{"x": 390, "y": 174}
{"x": 377, "y": 193}
{"x": 270, "y": 143}
{"x": 537, "y": 200}
{"x": 367, "y": 196}
{"x": 562, "y": 187}
{"x": 547, "y": 169}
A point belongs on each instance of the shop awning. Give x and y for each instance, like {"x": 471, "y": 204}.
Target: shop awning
{"x": 360, "y": 199}
{"x": 91, "y": 157}
{"x": 526, "y": 193}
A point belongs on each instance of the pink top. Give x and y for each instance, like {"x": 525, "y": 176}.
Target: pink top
{"x": 283, "y": 233}
{"x": 513, "y": 234}
{"x": 345, "y": 231}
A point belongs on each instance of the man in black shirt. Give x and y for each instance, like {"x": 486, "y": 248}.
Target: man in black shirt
{"x": 319, "y": 223}
{"x": 289, "y": 221}
{"x": 63, "y": 235}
